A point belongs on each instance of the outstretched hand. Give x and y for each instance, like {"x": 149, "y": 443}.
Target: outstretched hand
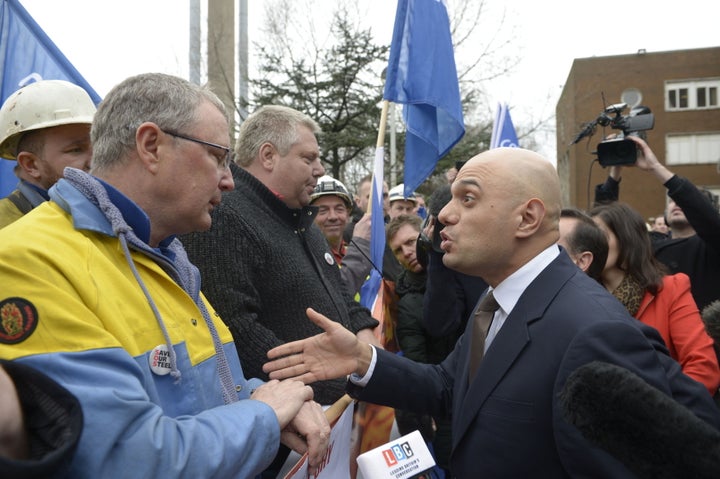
{"x": 335, "y": 353}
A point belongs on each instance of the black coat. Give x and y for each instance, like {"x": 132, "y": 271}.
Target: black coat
{"x": 262, "y": 264}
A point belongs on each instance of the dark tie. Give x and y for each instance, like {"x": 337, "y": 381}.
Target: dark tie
{"x": 483, "y": 317}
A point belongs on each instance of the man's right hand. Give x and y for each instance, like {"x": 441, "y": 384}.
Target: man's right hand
{"x": 363, "y": 227}
{"x": 284, "y": 397}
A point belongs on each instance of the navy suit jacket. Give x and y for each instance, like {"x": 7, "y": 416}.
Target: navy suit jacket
{"x": 509, "y": 422}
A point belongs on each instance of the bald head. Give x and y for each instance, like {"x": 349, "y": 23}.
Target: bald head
{"x": 522, "y": 174}
{"x": 505, "y": 210}
{"x": 530, "y": 173}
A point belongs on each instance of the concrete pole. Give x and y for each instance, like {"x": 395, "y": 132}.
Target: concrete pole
{"x": 195, "y": 54}
{"x": 221, "y": 53}
{"x": 243, "y": 74}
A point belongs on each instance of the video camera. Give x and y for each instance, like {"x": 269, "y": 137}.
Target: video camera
{"x": 619, "y": 150}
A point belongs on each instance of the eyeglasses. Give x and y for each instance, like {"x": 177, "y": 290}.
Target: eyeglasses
{"x": 223, "y": 162}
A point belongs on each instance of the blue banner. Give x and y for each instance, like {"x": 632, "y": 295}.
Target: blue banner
{"x": 503, "y": 132}
{"x": 371, "y": 288}
{"x": 27, "y": 55}
{"x": 421, "y": 75}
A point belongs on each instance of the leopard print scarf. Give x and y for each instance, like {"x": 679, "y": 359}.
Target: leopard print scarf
{"x": 630, "y": 294}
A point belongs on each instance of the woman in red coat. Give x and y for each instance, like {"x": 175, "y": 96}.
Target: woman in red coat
{"x": 639, "y": 281}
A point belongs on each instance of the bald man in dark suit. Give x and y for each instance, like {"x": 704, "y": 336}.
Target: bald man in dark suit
{"x": 502, "y": 225}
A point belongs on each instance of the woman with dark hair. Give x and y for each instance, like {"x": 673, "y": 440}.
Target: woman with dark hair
{"x": 639, "y": 281}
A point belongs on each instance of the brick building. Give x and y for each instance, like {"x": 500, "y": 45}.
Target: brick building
{"x": 681, "y": 88}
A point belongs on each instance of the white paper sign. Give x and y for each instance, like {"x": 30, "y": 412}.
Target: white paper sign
{"x": 401, "y": 458}
{"x": 337, "y": 460}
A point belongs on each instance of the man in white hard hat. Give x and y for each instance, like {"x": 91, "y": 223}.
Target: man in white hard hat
{"x": 334, "y": 203}
{"x": 44, "y": 126}
{"x": 399, "y": 203}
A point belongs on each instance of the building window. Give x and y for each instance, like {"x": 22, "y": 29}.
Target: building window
{"x": 692, "y": 94}
{"x": 697, "y": 149}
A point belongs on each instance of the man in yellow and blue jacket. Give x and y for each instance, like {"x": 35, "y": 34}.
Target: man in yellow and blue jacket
{"x": 98, "y": 293}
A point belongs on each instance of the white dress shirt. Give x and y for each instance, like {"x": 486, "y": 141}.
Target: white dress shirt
{"x": 508, "y": 293}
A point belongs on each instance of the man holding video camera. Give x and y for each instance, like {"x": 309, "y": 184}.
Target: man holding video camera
{"x": 694, "y": 247}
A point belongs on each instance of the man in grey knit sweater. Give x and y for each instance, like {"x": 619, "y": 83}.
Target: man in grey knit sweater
{"x": 264, "y": 262}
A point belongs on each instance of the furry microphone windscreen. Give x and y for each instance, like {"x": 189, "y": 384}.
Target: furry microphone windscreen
{"x": 711, "y": 318}
{"x": 650, "y": 433}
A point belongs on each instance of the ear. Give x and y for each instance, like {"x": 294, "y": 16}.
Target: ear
{"x": 29, "y": 163}
{"x": 532, "y": 216}
{"x": 268, "y": 156}
{"x": 584, "y": 260}
{"x": 149, "y": 145}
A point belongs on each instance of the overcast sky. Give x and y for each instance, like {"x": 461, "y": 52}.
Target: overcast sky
{"x": 108, "y": 40}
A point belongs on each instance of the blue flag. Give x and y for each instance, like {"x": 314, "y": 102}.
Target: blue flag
{"x": 369, "y": 292}
{"x": 503, "y": 132}
{"x": 27, "y": 55}
{"x": 421, "y": 75}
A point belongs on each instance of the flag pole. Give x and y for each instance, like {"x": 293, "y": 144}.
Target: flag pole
{"x": 380, "y": 142}
{"x": 337, "y": 408}
{"x": 383, "y": 124}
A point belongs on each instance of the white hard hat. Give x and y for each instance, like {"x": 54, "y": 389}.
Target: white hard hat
{"x": 327, "y": 185}
{"x": 398, "y": 193}
{"x": 42, "y": 104}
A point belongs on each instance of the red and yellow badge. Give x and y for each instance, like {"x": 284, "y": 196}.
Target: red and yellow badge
{"x": 18, "y": 319}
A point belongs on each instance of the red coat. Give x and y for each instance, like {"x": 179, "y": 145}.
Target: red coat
{"x": 673, "y": 312}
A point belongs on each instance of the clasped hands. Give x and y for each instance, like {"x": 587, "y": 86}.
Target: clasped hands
{"x": 335, "y": 353}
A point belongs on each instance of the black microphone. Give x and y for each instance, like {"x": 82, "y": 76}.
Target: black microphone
{"x": 588, "y": 130}
{"x": 650, "y": 433}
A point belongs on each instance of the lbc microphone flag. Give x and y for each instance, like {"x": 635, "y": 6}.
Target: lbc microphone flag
{"x": 421, "y": 75}
{"x": 503, "y": 132}
{"x": 27, "y": 55}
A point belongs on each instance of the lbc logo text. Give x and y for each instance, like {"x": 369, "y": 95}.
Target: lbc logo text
{"x": 397, "y": 453}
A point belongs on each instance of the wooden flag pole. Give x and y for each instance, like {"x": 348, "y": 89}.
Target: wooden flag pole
{"x": 383, "y": 124}
{"x": 379, "y": 144}
{"x": 337, "y": 408}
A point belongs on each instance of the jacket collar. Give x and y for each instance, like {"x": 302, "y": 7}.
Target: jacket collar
{"x": 299, "y": 219}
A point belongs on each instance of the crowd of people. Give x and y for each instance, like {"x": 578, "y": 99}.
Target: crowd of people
{"x": 180, "y": 307}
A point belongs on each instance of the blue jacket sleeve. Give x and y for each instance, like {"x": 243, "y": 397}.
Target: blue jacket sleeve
{"x": 126, "y": 431}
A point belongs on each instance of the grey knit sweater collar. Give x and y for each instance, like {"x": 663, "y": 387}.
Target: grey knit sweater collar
{"x": 296, "y": 218}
